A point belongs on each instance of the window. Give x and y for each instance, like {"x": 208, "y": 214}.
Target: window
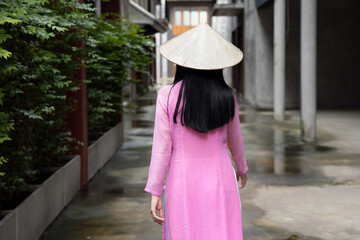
{"x": 203, "y": 15}
{"x": 177, "y": 16}
{"x": 186, "y": 17}
{"x": 194, "y": 17}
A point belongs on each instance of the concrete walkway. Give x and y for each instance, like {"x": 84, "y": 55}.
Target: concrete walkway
{"x": 295, "y": 191}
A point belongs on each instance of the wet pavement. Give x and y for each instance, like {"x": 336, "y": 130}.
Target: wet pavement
{"x": 296, "y": 190}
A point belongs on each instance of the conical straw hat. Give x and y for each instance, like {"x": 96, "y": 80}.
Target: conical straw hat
{"x": 201, "y": 48}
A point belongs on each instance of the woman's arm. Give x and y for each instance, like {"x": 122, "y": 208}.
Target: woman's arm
{"x": 162, "y": 145}
{"x": 236, "y": 141}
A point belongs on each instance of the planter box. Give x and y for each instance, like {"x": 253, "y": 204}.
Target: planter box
{"x": 30, "y": 218}
{"x": 104, "y": 148}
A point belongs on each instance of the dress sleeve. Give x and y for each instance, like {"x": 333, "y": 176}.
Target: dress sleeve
{"x": 162, "y": 146}
{"x": 236, "y": 140}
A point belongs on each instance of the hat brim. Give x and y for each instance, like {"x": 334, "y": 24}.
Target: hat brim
{"x": 201, "y": 48}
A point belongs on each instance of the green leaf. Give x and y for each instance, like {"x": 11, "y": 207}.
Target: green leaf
{"x": 10, "y": 20}
{"x": 4, "y": 53}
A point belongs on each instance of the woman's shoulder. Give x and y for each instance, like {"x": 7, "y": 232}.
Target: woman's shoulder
{"x": 163, "y": 93}
{"x": 166, "y": 89}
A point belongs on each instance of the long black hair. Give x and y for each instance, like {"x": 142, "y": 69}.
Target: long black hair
{"x": 208, "y": 102}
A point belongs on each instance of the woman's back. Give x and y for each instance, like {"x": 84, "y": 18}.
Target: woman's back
{"x": 187, "y": 142}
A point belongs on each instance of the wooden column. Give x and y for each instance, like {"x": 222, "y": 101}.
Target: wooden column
{"x": 112, "y": 6}
{"x": 77, "y": 120}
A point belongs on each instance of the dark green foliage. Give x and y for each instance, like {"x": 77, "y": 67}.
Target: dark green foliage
{"x": 5, "y": 128}
{"x": 39, "y": 54}
{"x": 36, "y": 71}
{"x": 114, "y": 47}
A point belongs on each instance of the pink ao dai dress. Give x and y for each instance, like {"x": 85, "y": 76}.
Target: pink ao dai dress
{"x": 201, "y": 196}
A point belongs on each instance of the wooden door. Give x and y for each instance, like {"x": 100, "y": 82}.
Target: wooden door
{"x": 187, "y": 17}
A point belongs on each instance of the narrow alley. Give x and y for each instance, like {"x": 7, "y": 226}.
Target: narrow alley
{"x": 76, "y": 129}
{"x": 295, "y": 190}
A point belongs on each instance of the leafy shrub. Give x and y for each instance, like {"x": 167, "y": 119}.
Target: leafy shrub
{"x": 5, "y": 128}
{"x": 39, "y": 53}
{"x": 36, "y": 67}
{"x": 114, "y": 47}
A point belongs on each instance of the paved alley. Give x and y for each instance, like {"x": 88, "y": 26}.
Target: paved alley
{"x": 114, "y": 206}
{"x": 295, "y": 190}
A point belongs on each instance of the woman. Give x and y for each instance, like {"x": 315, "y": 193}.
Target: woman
{"x": 196, "y": 117}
